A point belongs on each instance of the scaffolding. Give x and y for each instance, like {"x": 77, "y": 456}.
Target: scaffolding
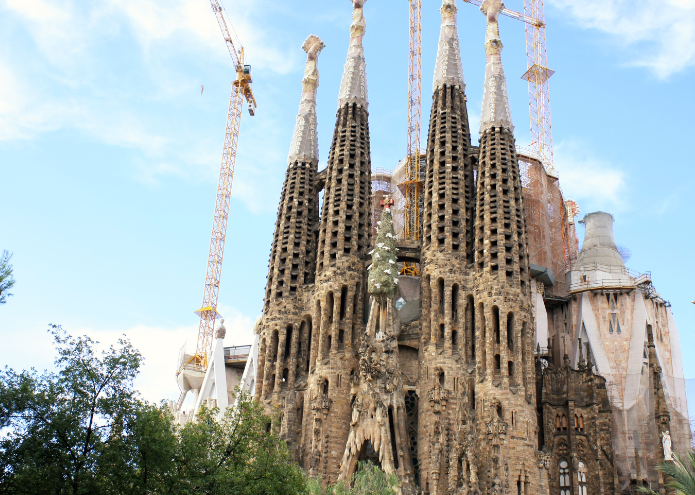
{"x": 382, "y": 180}
{"x": 411, "y": 184}
{"x": 547, "y": 222}
{"x": 637, "y": 441}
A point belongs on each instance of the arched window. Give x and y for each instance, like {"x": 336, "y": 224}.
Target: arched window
{"x": 581, "y": 477}
{"x": 565, "y": 485}
{"x": 558, "y": 422}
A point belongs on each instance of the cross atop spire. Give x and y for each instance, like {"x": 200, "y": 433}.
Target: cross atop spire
{"x": 496, "y": 112}
{"x": 353, "y": 87}
{"x": 305, "y": 143}
{"x": 447, "y": 69}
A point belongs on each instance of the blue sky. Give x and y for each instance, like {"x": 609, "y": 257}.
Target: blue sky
{"x": 109, "y": 154}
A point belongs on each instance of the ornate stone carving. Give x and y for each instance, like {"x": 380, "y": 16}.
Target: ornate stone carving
{"x": 353, "y": 86}
{"x": 496, "y": 112}
{"x": 305, "y": 143}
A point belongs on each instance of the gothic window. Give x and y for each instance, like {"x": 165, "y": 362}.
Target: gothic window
{"x": 561, "y": 422}
{"x": 578, "y": 423}
{"x": 581, "y": 478}
{"x": 564, "y": 478}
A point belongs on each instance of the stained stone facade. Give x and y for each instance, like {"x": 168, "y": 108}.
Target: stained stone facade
{"x": 442, "y": 378}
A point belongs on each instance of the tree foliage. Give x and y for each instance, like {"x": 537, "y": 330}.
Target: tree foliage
{"x": 84, "y": 430}
{"x": 680, "y": 475}
{"x": 240, "y": 453}
{"x": 367, "y": 480}
{"x": 6, "y": 277}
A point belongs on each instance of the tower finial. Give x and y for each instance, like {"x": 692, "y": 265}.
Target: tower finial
{"x": 496, "y": 112}
{"x": 353, "y": 86}
{"x": 305, "y": 142}
{"x": 447, "y": 69}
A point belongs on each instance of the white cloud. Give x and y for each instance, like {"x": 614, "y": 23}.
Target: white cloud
{"x": 661, "y": 31}
{"x": 160, "y": 346}
{"x": 72, "y": 77}
{"x": 594, "y": 183}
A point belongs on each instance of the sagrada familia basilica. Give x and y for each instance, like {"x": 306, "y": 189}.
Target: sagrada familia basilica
{"x": 499, "y": 369}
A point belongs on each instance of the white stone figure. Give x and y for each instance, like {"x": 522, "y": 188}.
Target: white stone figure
{"x": 221, "y": 332}
{"x": 666, "y": 442}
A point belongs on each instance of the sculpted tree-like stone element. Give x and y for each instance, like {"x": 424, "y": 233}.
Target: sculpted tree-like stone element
{"x": 377, "y": 391}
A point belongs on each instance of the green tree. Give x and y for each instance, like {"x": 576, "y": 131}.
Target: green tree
{"x": 78, "y": 430}
{"x": 383, "y": 272}
{"x": 6, "y": 278}
{"x": 680, "y": 475}
{"x": 139, "y": 456}
{"x": 367, "y": 480}
{"x": 240, "y": 453}
{"x": 83, "y": 430}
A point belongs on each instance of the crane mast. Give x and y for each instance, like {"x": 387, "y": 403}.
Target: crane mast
{"x": 537, "y": 75}
{"x": 241, "y": 89}
{"x": 413, "y": 183}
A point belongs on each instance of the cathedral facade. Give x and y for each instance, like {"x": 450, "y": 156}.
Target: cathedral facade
{"x": 447, "y": 378}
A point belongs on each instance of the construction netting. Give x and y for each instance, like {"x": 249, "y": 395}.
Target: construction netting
{"x": 381, "y": 186}
{"x": 392, "y": 182}
{"x": 638, "y": 442}
{"x": 546, "y": 220}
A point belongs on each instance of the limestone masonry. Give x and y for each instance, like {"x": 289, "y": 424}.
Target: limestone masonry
{"x": 514, "y": 364}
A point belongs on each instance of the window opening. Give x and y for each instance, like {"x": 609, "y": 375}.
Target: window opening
{"x": 581, "y": 477}
{"x": 564, "y": 478}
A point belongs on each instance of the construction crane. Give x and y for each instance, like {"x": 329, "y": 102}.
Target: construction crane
{"x": 413, "y": 182}
{"x": 537, "y": 76}
{"x": 241, "y": 89}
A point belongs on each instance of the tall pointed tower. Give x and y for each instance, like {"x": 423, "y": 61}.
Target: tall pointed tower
{"x": 447, "y": 345}
{"x": 286, "y": 326}
{"x": 340, "y": 289}
{"x": 505, "y": 375}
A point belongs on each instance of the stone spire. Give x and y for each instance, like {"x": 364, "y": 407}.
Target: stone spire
{"x": 353, "y": 86}
{"x": 293, "y": 254}
{"x": 447, "y": 69}
{"x": 305, "y": 143}
{"x": 495, "y": 112}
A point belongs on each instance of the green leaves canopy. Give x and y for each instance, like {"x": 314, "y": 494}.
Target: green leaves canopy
{"x": 367, "y": 480}
{"x": 83, "y": 430}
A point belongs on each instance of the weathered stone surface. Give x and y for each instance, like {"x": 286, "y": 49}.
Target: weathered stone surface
{"x": 443, "y": 383}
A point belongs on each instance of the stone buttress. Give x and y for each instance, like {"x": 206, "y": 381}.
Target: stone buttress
{"x": 286, "y": 327}
{"x": 505, "y": 375}
{"x": 446, "y": 368}
{"x": 340, "y": 288}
